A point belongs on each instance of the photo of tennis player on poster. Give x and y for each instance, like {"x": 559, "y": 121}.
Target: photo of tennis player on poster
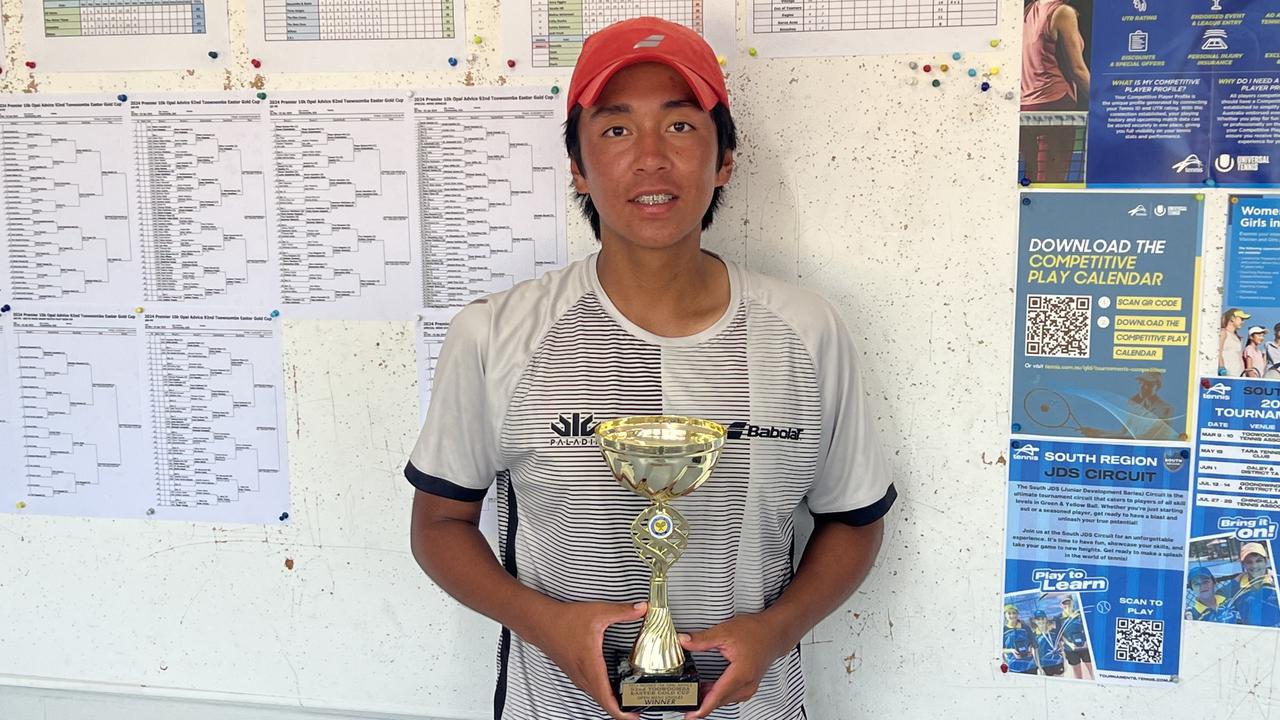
{"x": 1045, "y": 633}
{"x": 1231, "y": 581}
{"x": 1056, "y": 43}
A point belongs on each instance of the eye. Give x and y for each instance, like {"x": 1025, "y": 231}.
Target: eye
{"x": 681, "y": 126}
{"x": 616, "y": 131}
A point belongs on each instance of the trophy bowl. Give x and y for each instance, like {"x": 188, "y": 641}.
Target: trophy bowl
{"x": 659, "y": 457}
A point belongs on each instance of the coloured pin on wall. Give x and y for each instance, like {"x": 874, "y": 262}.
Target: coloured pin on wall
{"x": 256, "y": 62}
{"x": 511, "y": 62}
{"x": 453, "y": 62}
{"x": 31, "y": 64}
{"x": 122, "y": 97}
{"x": 213, "y": 54}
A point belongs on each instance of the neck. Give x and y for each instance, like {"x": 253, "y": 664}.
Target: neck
{"x": 671, "y": 292}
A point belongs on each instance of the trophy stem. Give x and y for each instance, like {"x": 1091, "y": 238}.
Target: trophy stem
{"x": 658, "y": 650}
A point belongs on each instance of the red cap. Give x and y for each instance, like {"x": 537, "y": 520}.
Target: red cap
{"x": 647, "y": 39}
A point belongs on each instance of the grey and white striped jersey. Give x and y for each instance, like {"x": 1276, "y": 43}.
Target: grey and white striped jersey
{"x": 524, "y": 377}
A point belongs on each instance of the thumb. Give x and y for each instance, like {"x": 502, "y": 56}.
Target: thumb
{"x": 699, "y": 641}
{"x": 626, "y": 613}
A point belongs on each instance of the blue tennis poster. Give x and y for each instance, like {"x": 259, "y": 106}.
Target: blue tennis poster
{"x": 1106, "y": 301}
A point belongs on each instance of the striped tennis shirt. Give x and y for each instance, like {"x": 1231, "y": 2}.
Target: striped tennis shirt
{"x": 526, "y": 374}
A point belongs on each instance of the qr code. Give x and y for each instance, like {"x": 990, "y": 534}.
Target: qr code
{"x": 1140, "y": 641}
{"x": 1058, "y": 325}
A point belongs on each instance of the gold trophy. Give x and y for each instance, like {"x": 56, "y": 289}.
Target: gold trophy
{"x": 660, "y": 457}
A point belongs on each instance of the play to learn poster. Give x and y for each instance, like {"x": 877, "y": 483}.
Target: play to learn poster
{"x": 1094, "y": 560}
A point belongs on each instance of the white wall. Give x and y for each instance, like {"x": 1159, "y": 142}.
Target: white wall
{"x": 894, "y": 200}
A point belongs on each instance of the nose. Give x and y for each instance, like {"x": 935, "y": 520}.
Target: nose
{"x": 652, "y": 153}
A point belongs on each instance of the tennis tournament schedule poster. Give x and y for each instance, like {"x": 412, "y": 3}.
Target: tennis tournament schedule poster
{"x": 1106, "y": 307}
{"x": 1096, "y": 536}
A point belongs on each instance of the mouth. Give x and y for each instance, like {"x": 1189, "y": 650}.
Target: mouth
{"x": 654, "y": 199}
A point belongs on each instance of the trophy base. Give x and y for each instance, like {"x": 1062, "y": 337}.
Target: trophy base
{"x": 639, "y": 691}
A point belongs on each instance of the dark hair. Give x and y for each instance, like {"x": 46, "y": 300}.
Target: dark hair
{"x": 726, "y": 140}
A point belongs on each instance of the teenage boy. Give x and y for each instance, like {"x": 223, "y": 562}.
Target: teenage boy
{"x": 650, "y": 324}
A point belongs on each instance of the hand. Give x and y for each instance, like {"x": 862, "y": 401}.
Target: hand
{"x": 750, "y": 644}
{"x": 572, "y": 636}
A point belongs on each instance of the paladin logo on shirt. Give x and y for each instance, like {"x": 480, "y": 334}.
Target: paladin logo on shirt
{"x": 575, "y": 429}
{"x": 741, "y": 428}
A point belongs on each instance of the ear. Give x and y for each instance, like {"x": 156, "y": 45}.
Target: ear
{"x": 726, "y": 169}
{"x": 579, "y": 179}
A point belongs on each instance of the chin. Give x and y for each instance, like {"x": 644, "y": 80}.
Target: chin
{"x": 657, "y": 238}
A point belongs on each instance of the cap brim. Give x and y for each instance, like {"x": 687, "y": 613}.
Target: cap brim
{"x": 702, "y": 90}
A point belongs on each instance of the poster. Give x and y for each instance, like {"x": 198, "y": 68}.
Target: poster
{"x": 1151, "y": 92}
{"x": 1249, "y": 327}
{"x": 1230, "y": 575}
{"x": 1096, "y": 536}
{"x": 1106, "y": 297}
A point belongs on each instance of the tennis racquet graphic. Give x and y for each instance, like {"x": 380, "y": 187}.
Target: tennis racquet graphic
{"x": 1049, "y": 409}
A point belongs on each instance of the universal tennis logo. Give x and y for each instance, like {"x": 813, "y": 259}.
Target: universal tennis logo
{"x": 742, "y": 428}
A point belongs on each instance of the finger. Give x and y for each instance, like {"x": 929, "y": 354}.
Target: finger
{"x": 597, "y": 685}
{"x": 717, "y": 695}
{"x": 623, "y": 612}
{"x": 702, "y": 641}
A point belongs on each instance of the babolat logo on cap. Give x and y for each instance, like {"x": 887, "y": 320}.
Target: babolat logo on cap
{"x": 649, "y": 42}
{"x": 741, "y": 428}
{"x": 575, "y": 429}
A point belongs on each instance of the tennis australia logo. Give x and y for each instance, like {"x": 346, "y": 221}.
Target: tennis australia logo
{"x": 743, "y": 428}
{"x": 575, "y": 429}
{"x": 1218, "y": 391}
{"x": 652, "y": 41}
{"x": 1027, "y": 452}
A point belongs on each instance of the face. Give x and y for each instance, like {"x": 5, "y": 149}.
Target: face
{"x": 649, "y": 158}
{"x": 1066, "y": 604}
{"x": 1011, "y": 616}
{"x": 1255, "y": 565}
{"x": 1256, "y": 338}
{"x": 1236, "y": 322}
{"x": 1205, "y": 587}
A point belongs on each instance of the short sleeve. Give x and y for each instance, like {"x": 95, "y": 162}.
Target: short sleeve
{"x": 456, "y": 453}
{"x": 853, "y": 485}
